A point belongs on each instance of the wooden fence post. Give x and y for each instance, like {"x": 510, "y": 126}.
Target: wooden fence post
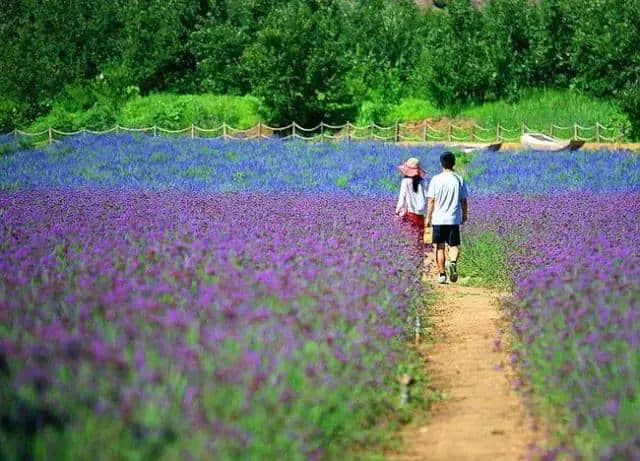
{"x": 598, "y": 132}
{"x": 348, "y": 134}
{"x": 259, "y": 130}
{"x": 424, "y": 132}
{"x": 321, "y": 131}
{"x": 473, "y": 132}
{"x": 371, "y": 132}
{"x": 397, "y": 136}
{"x": 293, "y": 132}
{"x": 193, "y": 131}
{"x": 575, "y": 131}
{"x": 449, "y": 132}
{"x": 498, "y": 132}
{"x": 155, "y": 131}
{"x": 224, "y": 130}
{"x": 50, "y": 135}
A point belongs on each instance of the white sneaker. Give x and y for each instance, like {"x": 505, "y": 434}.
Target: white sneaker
{"x": 442, "y": 279}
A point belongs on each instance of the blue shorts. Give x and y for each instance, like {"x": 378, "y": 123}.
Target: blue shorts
{"x": 447, "y": 234}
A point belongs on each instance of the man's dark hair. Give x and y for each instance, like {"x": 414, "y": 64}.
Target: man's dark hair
{"x": 447, "y": 160}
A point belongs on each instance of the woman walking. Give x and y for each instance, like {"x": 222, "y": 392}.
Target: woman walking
{"x": 412, "y": 201}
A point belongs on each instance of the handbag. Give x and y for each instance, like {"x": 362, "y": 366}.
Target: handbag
{"x": 428, "y": 234}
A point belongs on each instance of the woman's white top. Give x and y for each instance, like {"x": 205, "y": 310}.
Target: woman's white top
{"x": 410, "y": 201}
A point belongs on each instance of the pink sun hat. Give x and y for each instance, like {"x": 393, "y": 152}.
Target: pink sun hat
{"x": 412, "y": 168}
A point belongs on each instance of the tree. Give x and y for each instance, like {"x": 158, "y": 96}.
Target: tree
{"x": 298, "y": 63}
{"x": 455, "y": 64}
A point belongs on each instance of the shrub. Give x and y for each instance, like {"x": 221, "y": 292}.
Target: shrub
{"x": 179, "y": 111}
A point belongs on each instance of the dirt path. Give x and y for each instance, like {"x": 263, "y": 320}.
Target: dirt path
{"x": 481, "y": 417}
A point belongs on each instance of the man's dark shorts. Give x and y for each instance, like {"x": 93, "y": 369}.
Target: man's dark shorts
{"x": 447, "y": 234}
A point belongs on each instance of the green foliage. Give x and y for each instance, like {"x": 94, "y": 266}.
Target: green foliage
{"x": 484, "y": 259}
{"x": 295, "y": 64}
{"x": 179, "y": 111}
{"x": 91, "y": 106}
{"x": 605, "y": 51}
{"x": 538, "y": 108}
{"x": 405, "y": 110}
{"x": 329, "y": 60}
{"x": 219, "y": 40}
{"x": 454, "y": 66}
{"x": 630, "y": 103}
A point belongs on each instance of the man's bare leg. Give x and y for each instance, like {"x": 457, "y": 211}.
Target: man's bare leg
{"x": 454, "y": 253}
{"x": 440, "y": 257}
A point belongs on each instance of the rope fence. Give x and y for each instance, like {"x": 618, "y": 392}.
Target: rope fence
{"x": 398, "y": 132}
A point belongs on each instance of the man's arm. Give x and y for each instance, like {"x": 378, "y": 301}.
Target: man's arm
{"x": 465, "y": 209}
{"x": 430, "y": 206}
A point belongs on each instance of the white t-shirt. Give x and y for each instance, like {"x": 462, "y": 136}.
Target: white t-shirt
{"x": 410, "y": 201}
{"x": 448, "y": 189}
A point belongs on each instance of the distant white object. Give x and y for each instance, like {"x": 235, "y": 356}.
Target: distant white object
{"x": 540, "y": 141}
{"x": 468, "y": 148}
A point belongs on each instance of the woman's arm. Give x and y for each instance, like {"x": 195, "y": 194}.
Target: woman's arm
{"x": 401, "y": 207}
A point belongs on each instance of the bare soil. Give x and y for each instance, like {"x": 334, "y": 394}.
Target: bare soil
{"x": 481, "y": 416}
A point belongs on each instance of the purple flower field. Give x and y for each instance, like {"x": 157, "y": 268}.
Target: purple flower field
{"x": 179, "y": 299}
{"x": 239, "y": 326}
{"x": 575, "y": 263}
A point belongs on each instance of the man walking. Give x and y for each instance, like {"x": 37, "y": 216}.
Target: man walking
{"x": 446, "y": 210}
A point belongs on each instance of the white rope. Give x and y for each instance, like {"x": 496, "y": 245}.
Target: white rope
{"x": 135, "y": 130}
{"x": 359, "y": 128}
{"x": 481, "y": 139}
{"x": 227, "y": 132}
{"x": 283, "y": 128}
{"x": 298, "y": 127}
{"x": 24, "y": 133}
{"x": 164, "y": 130}
{"x": 66, "y": 133}
{"x": 409, "y": 138}
{"x": 337, "y": 136}
{"x": 237, "y": 131}
{"x": 312, "y": 138}
{"x": 378, "y": 127}
{"x": 208, "y": 130}
{"x": 334, "y": 127}
{"x": 604, "y": 128}
{"x": 110, "y": 130}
